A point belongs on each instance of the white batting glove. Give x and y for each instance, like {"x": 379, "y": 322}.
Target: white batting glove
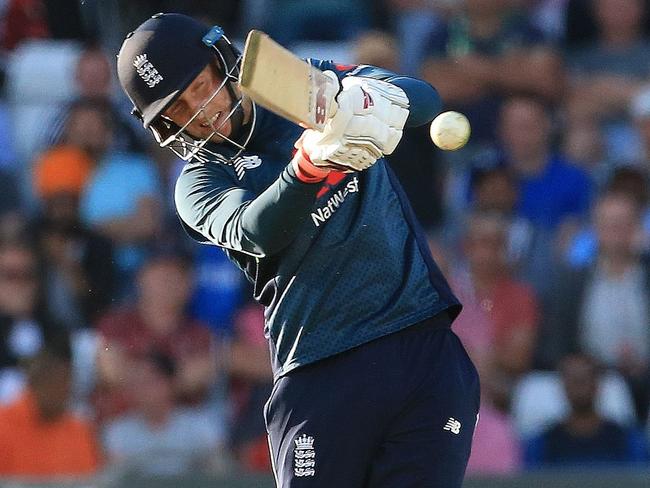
{"x": 379, "y": 110}
{"x": 328, "y": 150}
{"x": 366, "y": 122}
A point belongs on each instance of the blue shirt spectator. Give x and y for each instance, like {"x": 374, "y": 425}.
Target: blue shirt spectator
{"x": 121, "y": 199}
{"x": 609, "y": 445}
{"x": 218, "y": 289}
{"x": 584, "y": 438}
{"x": 561, "y": 190}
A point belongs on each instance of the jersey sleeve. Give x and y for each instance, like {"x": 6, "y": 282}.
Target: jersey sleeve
{"x": 214, "y": 208}
{"x": 424, "y": 100}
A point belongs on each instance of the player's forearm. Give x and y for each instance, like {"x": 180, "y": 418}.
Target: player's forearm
{"x": 219, "y": 211}
{"x": 273, "y": 219}
{"x": 424, "y": 100}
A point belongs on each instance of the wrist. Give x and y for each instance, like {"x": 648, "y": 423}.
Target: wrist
{"x": 305, "y": 169}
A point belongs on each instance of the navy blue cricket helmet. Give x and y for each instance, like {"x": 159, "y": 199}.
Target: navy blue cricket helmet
{"x": 160, "y": 59}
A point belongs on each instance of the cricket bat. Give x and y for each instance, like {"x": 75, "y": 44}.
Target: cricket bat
{"x": 280, "y": 81}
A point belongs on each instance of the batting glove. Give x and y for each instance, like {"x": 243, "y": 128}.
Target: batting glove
{"x": 366, "y": 122}
{"x": 329, "y": 150}
{"x": 379, "y": 110}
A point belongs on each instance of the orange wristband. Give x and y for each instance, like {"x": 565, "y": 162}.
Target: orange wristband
{"x": 305, "y": 169}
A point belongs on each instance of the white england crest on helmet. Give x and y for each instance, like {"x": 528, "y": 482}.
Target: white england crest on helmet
{"x": 147, "y": 71}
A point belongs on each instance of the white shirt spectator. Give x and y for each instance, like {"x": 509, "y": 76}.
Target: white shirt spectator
{"x": 188, "y": 438}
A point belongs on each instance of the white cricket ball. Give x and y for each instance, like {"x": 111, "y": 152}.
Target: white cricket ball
{"x": 450, "y": 130}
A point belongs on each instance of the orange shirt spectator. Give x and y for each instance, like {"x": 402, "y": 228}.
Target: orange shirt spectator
{"x": 30, "y": 446}
{"x": 39, "y": 436}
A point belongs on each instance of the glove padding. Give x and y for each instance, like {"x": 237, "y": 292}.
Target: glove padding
{"x": 380, "y": 111}
{"x": 367, "y": 122}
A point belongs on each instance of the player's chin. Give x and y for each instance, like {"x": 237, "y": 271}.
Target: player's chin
{"x": 218, "y": 138}
{"x": 201, "y": 133}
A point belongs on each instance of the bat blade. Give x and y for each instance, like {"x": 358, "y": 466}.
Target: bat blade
{"x": 280, "y": 81}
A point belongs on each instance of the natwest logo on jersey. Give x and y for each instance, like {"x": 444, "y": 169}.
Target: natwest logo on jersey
{"x": 324, "y": 213}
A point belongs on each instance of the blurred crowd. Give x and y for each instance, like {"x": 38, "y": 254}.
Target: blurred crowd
{"x": 124, "y": 345}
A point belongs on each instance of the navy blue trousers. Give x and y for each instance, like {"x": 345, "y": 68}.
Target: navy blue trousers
{"x": 398, "y": 412}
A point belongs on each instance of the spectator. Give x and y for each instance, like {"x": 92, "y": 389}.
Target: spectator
{"x": 495, "y": 433}
{"x": 377, "y": 48}
{"x": 121, "y": 200}
{"x": 414, "y": 21}
{"x": 495, "y": 190}
{"x": 93, "y": 81}
{"x": 584, "y": 438}
{"x": 24, "y": 19}
{"x": 158, "y": 322}
{"x": 606, "y": 74}
{"x": 640, "y": 112}
{"x": 11, "y": 200}
{"x": 24, "y": 319}
{"x": 158, "y": 437}
{"x": 583, "y": 143}
{"x": 632, "y": 181}
{"x": 251, "y": 381}
{"x": 291, "y": 21}
{"x": 551, "y": 188}
{"x": 604, "y": 308}
{"x": 39, "y": 436}
{"x": 539, "y": 401}
{"x": 484, "y": 52}
{"x": 225, "y": 13}
{"x": 636, "y": 182}
{"x": 497, "y": 326}
{"x": 66, "y": 20}
{"x": 550, "y": 17}
{"x": 554, "y": 194}
{"x": 89, "y": 126}
{"x": 8, "y": 155}
{"x": 78, "y": 261}
{"x": 500, "y": 315}
{"x": 218, "y": 290}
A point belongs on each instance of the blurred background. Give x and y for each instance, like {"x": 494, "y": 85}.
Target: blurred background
{"x": 127, "y": 352}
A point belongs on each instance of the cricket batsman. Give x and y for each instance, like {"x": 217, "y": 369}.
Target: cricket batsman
{"x": 372, "y": 389}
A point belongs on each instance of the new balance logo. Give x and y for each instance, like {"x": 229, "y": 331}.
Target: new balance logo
{"x": 244, "y": 163}
{"x": 304, "y": 456}
{"x": 452, "y": 425}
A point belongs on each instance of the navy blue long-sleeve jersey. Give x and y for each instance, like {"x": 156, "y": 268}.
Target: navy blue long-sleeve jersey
{"x": 336, "y": 264}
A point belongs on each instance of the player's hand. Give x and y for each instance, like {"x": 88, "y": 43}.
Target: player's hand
{"x": 326, "y": 150}
{"x": 379, "y": 111}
